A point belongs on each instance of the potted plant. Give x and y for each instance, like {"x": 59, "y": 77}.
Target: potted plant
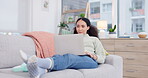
{"x": 62, "y": 25}
{"x": 131, "y": 9}
{"x": 82, "y": 15}
{"x": 112, "y": 33}
{"x": 70, "y": 20}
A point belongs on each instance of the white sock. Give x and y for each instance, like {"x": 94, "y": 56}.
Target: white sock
{"x": 24, "y": 56}
{"x": 46, "y": 63}
{"x": 34, "y": 70}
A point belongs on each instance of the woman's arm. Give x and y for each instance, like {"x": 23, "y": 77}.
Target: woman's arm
{"x": 94, "y": 56}
{"x": 99, "y": 51}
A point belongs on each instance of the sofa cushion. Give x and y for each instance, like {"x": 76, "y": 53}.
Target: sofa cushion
{"x": 9, "y": 71}
{"x": 4, "y": 75}
{"x": 103, "y": 71}
{"x": 68, "y": 73}
{"x": 9, "y": 49}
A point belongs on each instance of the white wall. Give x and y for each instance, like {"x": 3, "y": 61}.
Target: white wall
{"x": 10, "y": 11}
{"x": 46, "y": 20}
{"x": 13, "y": 15}
{"x": 114, "y": 13}
{"x": 27, "y": 15}
{"x": 124, "y": 17}
{"x": 146, "y": 16}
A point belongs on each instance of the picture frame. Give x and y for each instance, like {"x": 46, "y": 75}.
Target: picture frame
{"x": 45, "y": 5}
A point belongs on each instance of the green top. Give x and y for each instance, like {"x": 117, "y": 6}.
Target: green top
{"x": 94, "y": 46}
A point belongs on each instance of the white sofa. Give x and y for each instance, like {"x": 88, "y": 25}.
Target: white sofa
{"x": 9, "y": 57}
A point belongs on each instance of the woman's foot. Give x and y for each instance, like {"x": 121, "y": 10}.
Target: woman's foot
{"x": 46, "y": 63}
{"x": 36, "y": 66}
{"x": 34, "y": 70}
{"x": 24, "y": 56}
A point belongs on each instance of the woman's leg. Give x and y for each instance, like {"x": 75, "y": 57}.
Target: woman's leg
{"x": 46, "y": 63}
{"x": 37, "y": 66}
{"x": 67, "y": 61}
{"x": 73, "y": 62}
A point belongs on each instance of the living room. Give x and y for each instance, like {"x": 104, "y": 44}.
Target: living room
{"x": 129, "y": 17}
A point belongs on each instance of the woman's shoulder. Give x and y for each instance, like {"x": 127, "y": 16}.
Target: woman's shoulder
{"x": 94, "y": 38}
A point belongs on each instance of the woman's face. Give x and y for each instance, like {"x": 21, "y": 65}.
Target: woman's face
{"x": 81, "y": 27}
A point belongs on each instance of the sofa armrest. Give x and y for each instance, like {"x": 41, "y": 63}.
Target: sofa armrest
{"x": 114, "y": 60}
{"x": 117, "y": 62}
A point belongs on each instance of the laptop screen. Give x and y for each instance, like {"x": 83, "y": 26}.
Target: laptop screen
{"x": 72, "y": 44}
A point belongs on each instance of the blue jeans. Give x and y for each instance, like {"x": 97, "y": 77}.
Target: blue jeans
{"x": 70, "y": 61}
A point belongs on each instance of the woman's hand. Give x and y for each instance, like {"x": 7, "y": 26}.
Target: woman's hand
{"x": 91, "y": 55}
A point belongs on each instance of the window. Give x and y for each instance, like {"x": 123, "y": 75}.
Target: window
{"x": 101, "y": 10}
{"x": 132, "y": 17}
{"x": 95, "y": 10}
{"x": 138, "y": 25}
{"x": 138, "y": 7}
{"x": 73, "y": 4}
{"x": 109, "y": 26}
{"x": 71, "y": 10}
{"x": 107, "y": 7}
{"x": 138, "y": 4}
{"x": 95, "y": 7}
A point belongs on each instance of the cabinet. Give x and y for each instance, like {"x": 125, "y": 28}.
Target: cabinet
{"x": 134, "y": 52}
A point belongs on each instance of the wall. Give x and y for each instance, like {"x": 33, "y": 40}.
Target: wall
{"x": 124, "y": 17}
{"x": 146, "y": 16}
{"x": 46, "y": 20}
{"x": 27, "y": 15}
{"x": 13, "y": 16}
{"x": 106, "y": 15}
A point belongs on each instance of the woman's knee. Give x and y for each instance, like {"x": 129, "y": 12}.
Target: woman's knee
{"x": 70, "y": 55}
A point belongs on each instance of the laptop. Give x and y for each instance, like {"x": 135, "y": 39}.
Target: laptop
{"x": 71, "y": 43}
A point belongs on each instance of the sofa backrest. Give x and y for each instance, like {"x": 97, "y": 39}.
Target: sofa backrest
{"x": 9, "y": 49}
{"x": 10, "y": 46}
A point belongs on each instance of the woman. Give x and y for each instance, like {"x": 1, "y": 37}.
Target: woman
{"x": 95, "y": 54}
